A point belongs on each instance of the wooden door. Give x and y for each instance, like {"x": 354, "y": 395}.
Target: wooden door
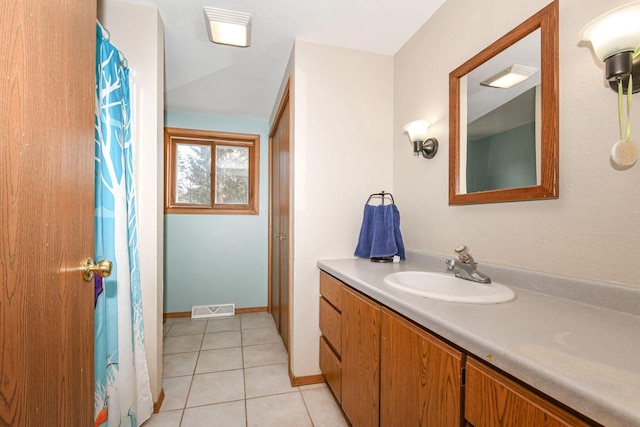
{"x": 360, "y": 359}
{"x": 492, "y": 399}
{"x": 280, "y": 218}
{"x": 47, "y": 63}
{"x": 421, "y": 376}
{"x": 284, "y": 224}
{"x": 274, "y": 232}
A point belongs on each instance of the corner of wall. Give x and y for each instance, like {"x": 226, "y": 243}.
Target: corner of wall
{"x": 137, "y": 31}
{"x": 342, "y": 125}
{"x": 288, "y": 74}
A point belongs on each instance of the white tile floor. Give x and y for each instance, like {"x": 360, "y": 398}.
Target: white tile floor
{"x": 233, "y": 371}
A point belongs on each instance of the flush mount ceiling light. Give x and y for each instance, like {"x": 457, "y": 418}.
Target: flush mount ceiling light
{"x": 228, "y": 27}
{"x": 510, "y": 77}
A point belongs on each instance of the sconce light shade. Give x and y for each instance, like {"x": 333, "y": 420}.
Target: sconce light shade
{"x": 615, "y": 35}
{"x": 417, "y": 131}
{"x": 615, "y": 31}
{"x": 228, "y": 27}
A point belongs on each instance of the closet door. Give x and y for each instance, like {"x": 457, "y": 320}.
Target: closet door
{"x": 280, "y": 218}
{"x": 274, "y": 243}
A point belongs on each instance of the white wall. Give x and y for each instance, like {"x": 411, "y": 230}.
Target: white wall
{"x": 136, "y": 30}
{"x": 341, "y": 153}
{"x": 593, "y": 229}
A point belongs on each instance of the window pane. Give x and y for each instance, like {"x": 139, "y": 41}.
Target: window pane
{"x": 193, "y": 174}
{"x": 232, "y": 175}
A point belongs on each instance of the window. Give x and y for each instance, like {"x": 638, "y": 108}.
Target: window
{"x": 211, "y": 172}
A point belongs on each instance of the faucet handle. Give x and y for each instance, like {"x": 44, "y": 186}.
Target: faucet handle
{"x": 450, "y": 264}
{"x": 463, "y": 254}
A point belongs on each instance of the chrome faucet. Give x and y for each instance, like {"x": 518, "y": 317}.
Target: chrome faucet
{"x": 465, "y": 267}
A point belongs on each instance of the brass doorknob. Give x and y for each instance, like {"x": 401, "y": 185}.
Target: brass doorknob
{"x": 103, "y": 269}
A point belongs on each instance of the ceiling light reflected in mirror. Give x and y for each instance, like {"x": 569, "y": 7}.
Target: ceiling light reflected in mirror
{"x": 510, "y": 77}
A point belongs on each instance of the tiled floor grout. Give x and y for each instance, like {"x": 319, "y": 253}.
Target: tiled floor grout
{"x": 272, "y": 397}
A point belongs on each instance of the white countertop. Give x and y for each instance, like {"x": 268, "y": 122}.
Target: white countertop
{"x": 584, "y": 356}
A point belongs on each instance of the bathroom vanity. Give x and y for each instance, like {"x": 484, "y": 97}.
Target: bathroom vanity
{"x": 391, "y": 358}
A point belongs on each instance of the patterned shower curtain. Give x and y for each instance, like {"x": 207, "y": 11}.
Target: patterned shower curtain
{"x": 122, "y": 395}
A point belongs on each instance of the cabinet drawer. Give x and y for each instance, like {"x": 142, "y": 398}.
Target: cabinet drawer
{"x": 331, "y": 368}
{"x": 331, "y": 325}
{"x": 331, "y": 289}
{"x": 492, "y": 399}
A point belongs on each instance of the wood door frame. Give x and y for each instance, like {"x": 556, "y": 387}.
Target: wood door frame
{"x": 284, "y": 100}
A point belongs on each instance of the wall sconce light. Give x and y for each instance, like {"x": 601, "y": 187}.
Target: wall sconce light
{"x": 228, "y": 27}
{"x": 417, "y": 131}
{"x": 615, "y": 37}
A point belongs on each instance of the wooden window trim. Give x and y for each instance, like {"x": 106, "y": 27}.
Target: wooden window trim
{"x": 213, "y": 138}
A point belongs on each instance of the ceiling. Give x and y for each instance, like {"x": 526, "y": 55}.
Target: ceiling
{"x": 203, "y": 77}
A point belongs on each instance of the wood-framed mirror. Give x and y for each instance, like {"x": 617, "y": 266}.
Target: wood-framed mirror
{"x": 503, "y": 142}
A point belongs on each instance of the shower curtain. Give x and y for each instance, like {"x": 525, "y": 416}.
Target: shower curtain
{"x": 122, "y": 394}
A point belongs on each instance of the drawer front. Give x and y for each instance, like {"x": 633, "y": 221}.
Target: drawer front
{"x": 331, "y": 289}
{"x": 331, "y": 325}
{"x": 331, "y": 368}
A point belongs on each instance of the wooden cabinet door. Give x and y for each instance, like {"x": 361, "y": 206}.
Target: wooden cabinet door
{"x": 360, "y": 359}
{"x": 421, "y": 376}
{"x": 492, "y": 399}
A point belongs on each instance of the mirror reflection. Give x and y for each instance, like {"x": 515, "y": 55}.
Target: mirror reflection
{"x": 501, "y": 127}
{"x": 503, "y": 117}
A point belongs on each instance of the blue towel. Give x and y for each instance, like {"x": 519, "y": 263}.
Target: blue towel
{"x": 380, "y": 233}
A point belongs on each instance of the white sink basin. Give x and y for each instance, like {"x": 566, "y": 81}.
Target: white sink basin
{"x": 445, "y": 287}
